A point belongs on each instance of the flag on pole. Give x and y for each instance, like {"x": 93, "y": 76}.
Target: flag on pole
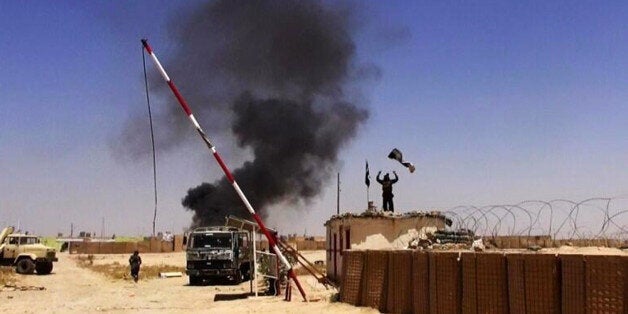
{"x": 396, "y": 155}
{"x": 367, "y": 177}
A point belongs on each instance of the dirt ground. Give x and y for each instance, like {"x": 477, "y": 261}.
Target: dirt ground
{"x": 72, "y": 289}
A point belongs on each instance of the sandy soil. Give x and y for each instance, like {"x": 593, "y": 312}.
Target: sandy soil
{"x": 72, "y": 289}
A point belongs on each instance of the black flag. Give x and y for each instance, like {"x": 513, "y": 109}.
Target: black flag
{"x": 396, "y": 155}
{"x": 367, "y": 177}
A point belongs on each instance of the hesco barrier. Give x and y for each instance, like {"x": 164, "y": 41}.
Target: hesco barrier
{"x": 469, "y": 284}
{"x": 375, "y": 280}
{"x": 516, "y": 284}
{"x": 149, "y": 246}
{"x": 399, "y": 299}
{"x": 605, "y": 284}
{"x": 523, "y": 242}
{"x": 491, "y": 283}
{"x": 443, "y": 282}
{"x": 572, "y": 283}
{"x": 420, "y": 282}
{"x": 542, "y": 283}
{"x": 352, "y": 278}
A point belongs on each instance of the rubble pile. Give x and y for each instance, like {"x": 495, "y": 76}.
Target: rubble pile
{"x": 387, "y": 214}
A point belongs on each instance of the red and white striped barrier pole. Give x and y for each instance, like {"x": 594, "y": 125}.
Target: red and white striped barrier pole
{"x": 271, "y": 240}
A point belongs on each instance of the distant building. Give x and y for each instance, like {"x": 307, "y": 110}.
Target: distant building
{"x": 374, "y": 230}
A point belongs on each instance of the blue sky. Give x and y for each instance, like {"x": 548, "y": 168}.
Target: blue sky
{"x": 495, "y": 102}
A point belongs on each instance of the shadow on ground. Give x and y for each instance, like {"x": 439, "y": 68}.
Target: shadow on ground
{"x": 231, "y": 296}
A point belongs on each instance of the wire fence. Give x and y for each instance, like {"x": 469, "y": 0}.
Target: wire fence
{"x": 560, "y": 218}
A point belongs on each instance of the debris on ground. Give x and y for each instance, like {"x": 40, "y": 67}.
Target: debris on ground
{"x": 11, "y": 287}
{"x": 534, "y": 248}
{"x": 478, "y": 245}
{"x": 171, "y": 274}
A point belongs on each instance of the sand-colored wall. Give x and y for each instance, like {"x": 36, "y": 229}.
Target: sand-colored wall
{"x": 305, "y": 245}
{"x": 151, "y": 246}
{"x": 383, "y": 233}
{"x": 372, "y": 233}
{"x": 309, "y": 245}
{"x": 545, "y": 241}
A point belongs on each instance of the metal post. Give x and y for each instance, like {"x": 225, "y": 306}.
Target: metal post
{"x": 255, "y": 259}
{"x": 338, "y": 196}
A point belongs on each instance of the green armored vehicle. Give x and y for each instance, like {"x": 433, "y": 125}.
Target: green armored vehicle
{"x": 25, "y": 252}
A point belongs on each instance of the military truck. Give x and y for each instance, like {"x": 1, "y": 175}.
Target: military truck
{"x": 218, "y": 252}
{"x": 25, "y": 252}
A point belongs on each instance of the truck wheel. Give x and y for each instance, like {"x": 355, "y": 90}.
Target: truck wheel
{"x": 238, "y": 277}
{"x": 246, "y": 272}
{"x": 195, "y": 280}
{"x": 25, "y": 266}
{"x": 43, "y": 268}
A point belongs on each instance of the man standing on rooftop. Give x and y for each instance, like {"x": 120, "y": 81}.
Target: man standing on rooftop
{"x": 387, "y": 194}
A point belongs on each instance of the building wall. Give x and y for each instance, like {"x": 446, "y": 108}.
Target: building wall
{"x": 372, "y": 233}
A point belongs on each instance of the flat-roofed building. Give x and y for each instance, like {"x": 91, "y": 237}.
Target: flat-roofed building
{"x": 375, "y": 230}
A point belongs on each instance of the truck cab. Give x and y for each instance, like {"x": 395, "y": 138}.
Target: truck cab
{"x": 25, "y": 252}
{"x": 218, "y": 253}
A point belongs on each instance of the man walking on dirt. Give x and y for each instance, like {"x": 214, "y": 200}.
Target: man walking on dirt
{"x": 387, "y": 194}
{"x": 135, "y": 261}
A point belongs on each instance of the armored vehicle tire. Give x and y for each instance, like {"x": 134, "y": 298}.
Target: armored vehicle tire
{"x": 25, "y": 266}
{"x": 43, "y": 268}
{"x": 195, "y": 280}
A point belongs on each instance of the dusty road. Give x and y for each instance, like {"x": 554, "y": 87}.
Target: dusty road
{"x": 72, "y": 289}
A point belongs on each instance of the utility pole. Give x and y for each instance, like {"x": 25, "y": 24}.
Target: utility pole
{"x": 338, "y": 197}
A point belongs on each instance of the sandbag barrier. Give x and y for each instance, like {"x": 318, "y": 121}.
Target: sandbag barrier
{"x": 407, "y": 281}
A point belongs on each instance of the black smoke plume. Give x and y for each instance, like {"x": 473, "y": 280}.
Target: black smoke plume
{"x": 274, "y": 73}
{"x": 294, "y": 145}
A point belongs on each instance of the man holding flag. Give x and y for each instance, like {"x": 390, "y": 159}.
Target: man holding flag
{"x": 387, "y": 194}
